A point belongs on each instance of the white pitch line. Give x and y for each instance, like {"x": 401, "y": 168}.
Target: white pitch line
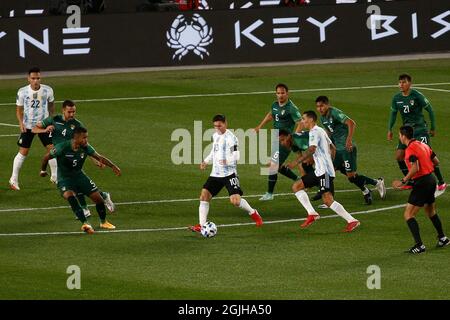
{"x": 8, "y": 124}
{"x": 236, "y": 93}
{"x": 185, "y": 228}
{"x": 160, "y": 201}
{"x": 432, "y": 89}
{"x": 8, "y": 135}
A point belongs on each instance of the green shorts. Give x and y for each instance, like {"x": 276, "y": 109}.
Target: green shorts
{"x": 279, "y": 154}
{"x": 345, "y": 161}
{"x": 79, "y": 184}
{"x": 422, "y": 136}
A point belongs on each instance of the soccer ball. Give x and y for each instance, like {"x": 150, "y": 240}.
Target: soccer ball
{"x": 209, "y": 229}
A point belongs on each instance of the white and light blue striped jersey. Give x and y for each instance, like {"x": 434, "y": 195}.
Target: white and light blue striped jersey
{"x": 34, "y": 103}
{"x": 223, "y": 147}
{"x": 322, "y": 157}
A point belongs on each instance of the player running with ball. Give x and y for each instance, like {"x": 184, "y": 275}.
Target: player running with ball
{"x": 224, "y": 157}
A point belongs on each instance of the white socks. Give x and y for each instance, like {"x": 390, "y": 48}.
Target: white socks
{"x": 17, "y": 164}
{"x": 304, "y": 200}
{"x": 53, "y": 168}
{"x": 340, "y": 210}
{"x": 244, "y": 205}
{"x": 203, "y": 210}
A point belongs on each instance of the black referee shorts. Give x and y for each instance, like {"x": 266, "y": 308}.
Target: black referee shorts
{"x": 423, "y": 190}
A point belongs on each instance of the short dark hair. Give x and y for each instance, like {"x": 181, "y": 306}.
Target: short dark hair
{"x": 34, "y": 70}
{"x": 219, "y": 117}
{"x": 283, "y": 132}
{"x": 323, "y": 99}
{"x": 311, "y": 114}
{"x": 407, "y": 131}
{"x": 282, "y": 85}
{"x": 405, "y": 76}
{"x": 79, "y": 130}
{"x": 68, "y": 103}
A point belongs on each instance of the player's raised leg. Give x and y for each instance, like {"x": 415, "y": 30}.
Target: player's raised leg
{"x": 240, "y": 202}
{"x": 430, "y": 210}
{"x": 352, "y": 223}
{"x": 410, "y": 218}
{"x": 17, "y": 165}
{"x": 299, "y": 190}
{"x": 70, "y": 196}
{"x": 101, "y": 210}
{"x": 203, "y": 210}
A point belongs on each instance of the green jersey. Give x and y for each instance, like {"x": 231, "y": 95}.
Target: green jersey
{"x": 300, "y": 141}
{"x": 70, "y": 162}
{"x": 63, "y": 129}
{"x": 411, "y": 110}
{"x": 285, "y": 117}
{"x": 334, "y": 122}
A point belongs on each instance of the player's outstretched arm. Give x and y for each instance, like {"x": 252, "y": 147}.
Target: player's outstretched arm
{"x": 295, "y": 163}
{"x": 392, "y": 118}
{"x": 51, "y": 108}
{"x": 19, "y": 115}
{"x": 397, "y": 184}
{"x": 299, "y": 126}
{"x": 44, "y": 164}
{"x": 39, "y": 128}
{"x": 332, "y": 151}
{"x": 430, "y": 111}
{"x": 107, "y": 162}
{"x": 351, "y": 129}
{"x": 266, "y": 119}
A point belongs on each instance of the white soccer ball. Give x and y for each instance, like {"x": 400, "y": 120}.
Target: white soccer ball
{"x": 209, "y": 229}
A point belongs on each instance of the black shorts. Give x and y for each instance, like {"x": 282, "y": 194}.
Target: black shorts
{"x": 215, "y": 184}
{"x": 26, "y": 138}
{"x": 423, "y": 191}
{"x": 324, "y": 182}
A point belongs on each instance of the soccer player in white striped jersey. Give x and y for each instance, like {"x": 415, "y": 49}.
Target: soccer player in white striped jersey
{"x": 321, "y": 149}
{"x": 224, "y": 157}
{"x": 34, "y": 103}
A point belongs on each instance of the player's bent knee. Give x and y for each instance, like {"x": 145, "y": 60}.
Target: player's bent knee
{"x": 69, "y": 194}
{"x": 327, "y": 198}
{"x": 205, "y": 195}
{"x": 400, "y": 155}
{"x": 235, "y": 200}
{"x": 297, "y": 186}
{"x": 96, "y": 197}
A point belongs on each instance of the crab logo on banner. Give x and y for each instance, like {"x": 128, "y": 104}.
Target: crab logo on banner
{"x": 193, "y": 36}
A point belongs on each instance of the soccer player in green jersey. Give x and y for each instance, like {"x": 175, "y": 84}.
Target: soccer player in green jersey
{"x": 62, "y": 127}
{"x": 285, "y": 115}
{"x": 340, "y": 128}
{"x": 72, "y": 180}
{"x": 411, "y": 103}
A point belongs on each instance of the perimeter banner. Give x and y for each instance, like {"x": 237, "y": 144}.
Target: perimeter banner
{"x": 225, "y": 36}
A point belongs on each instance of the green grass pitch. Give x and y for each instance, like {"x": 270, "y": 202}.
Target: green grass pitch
{"x": 277, "y": 261}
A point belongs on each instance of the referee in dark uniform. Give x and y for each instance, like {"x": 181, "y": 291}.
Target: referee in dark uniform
{"x": 420, "y": 160}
